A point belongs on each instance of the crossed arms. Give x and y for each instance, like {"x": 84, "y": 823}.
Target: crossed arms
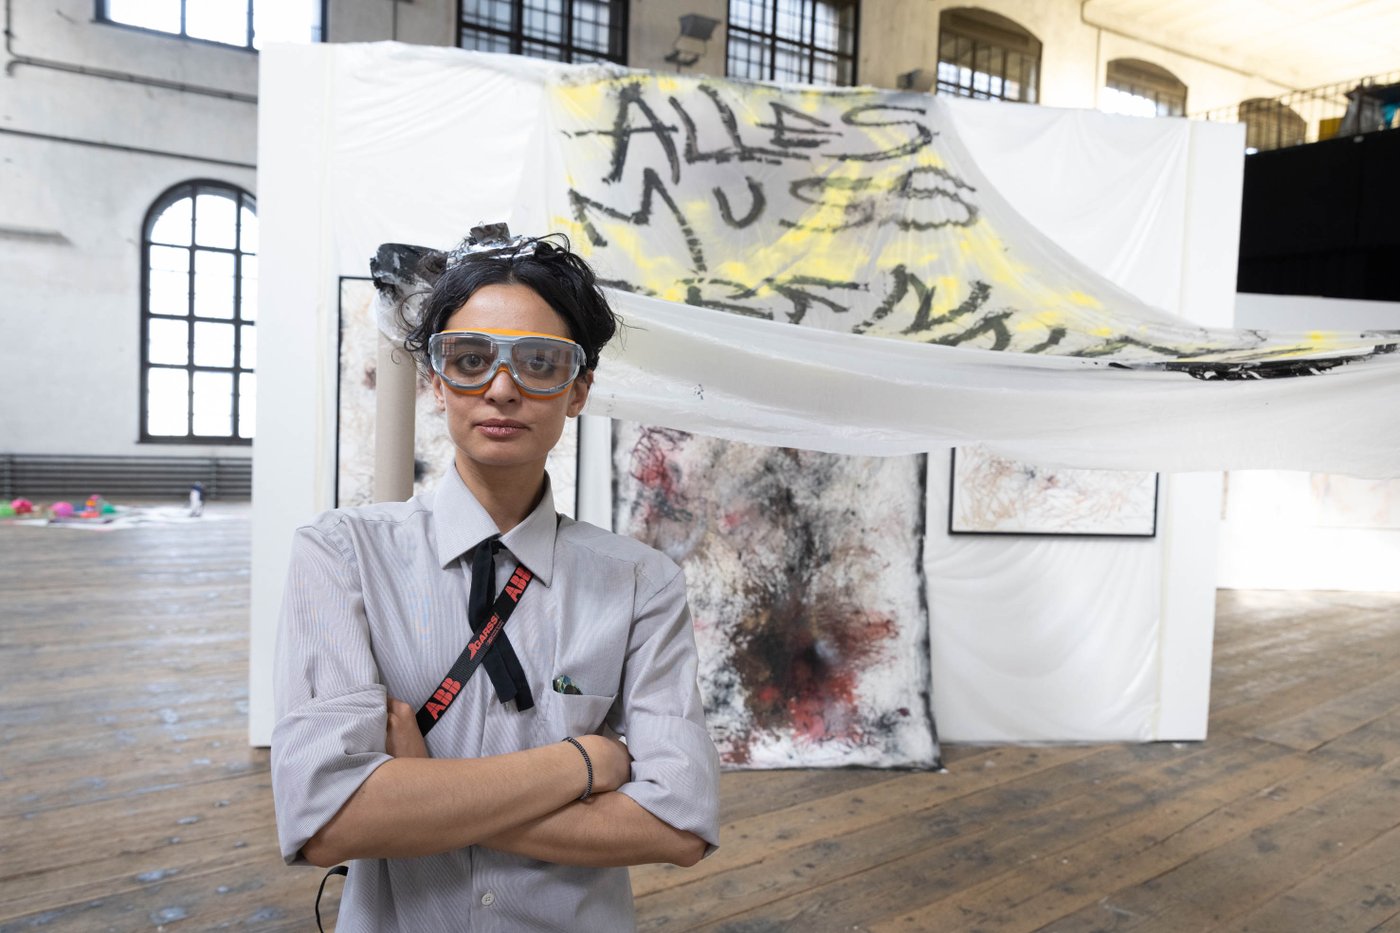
{"x": 523, "y": 802}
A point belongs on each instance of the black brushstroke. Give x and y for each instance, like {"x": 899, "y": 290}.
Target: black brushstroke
{"x": 906, "y": 190}
{"x": 1263, "y": 369}
{"x": 787, "y": 136}
{"x": 863, "y": 209}
{"x": 924, "y": 135}
{"x": 759, "y": 202}
{"x": 695, "y": 296}
{"x": 795, "y": 290}
{"x": 1053, "y": 339}
{"x": 994, "y": 324}
{"x": 739, "y": 149}
{"x": 628, "y": 97}
{"x": 652, "y": 186}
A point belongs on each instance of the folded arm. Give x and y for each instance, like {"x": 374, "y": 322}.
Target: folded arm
{"x": 607, "y": 829}
{"x": 604, "y": 831}
{"x": 415, "y": 806}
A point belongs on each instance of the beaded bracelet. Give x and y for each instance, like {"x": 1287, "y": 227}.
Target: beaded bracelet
{"x": 588, "y": 763}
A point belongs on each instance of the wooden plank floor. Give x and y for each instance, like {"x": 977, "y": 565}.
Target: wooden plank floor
{"x": 129, "y": 799}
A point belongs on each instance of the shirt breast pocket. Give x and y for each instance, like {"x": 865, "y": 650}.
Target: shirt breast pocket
{"x": 568, "y": 714}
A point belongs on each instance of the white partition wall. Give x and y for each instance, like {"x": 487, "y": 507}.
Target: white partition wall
{"x": 1090, "y": 639}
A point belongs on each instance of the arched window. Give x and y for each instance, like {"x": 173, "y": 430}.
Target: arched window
{"x": 1270, "y": 124}
{"x": 248, "y": 24}
{"x": 558, "y": 30}
{"x": 811, "y": 41}
{"x": 981, "y": 54}
{"x": 1142, "y": 89}
{"x": 198, "y": 315}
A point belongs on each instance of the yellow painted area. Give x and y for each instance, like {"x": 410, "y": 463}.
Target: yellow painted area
{"x": 1044, "y": 320}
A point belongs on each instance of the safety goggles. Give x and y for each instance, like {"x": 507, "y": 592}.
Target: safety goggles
{"x": 541, "y": 366}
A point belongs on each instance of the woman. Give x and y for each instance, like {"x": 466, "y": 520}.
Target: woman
{"x": 517, "y": 810}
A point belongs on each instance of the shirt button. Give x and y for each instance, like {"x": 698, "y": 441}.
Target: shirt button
{"x": 488, "y": 899}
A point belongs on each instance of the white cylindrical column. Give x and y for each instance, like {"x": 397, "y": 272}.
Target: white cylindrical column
{"x": 394, "y": 386}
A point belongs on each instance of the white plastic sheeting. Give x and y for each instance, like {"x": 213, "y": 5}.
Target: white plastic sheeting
{"x": 770, "y": 383}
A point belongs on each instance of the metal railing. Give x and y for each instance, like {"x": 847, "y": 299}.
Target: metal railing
{"x": 1363, "y": 105}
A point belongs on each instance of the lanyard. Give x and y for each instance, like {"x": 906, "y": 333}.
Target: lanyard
{"x": 475, "y": 651}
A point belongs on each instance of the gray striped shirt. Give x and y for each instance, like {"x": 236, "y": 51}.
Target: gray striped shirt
{"x": 376, "y": 602}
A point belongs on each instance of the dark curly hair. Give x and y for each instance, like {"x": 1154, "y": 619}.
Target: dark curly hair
{"x": 558, "y": 275}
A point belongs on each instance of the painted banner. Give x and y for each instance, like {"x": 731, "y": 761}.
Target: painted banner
{"x": 853, "y": 209}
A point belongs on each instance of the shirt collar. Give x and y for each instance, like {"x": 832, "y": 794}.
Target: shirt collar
{"x": 461, "y": 523}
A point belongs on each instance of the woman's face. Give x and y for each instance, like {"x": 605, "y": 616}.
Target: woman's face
{"x": 503, "y": 429}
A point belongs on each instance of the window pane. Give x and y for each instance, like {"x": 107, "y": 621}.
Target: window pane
{"x": 149, "y": 14}
{"x": 247, "y": 403}
{"x": 247, "y": 347}
{"x": 286, "y": 21}
{"x": 750, "y": 14}
{"x": 487, "y": 13}
{"x": 551, "y": 53}
{"x": 827, "y": 28}
{"x": 218, "y": 20}
{"x": 544, "y": 19}
{"x": 169, "y": 342}
{"x": 747, "y": 59}
{"x": 170, "y": 288}
{"x": 789, "y": 19}
{"x": 213, "y": 344}
{"x": 484, "y": 41}
{"x": 213, "y": 220}
{"x": 213, "y": 284}
{"x": 168, "y": 402}
{"x": 789, "y": 64}
{"x": 213, "y": 404}
{"x": 170, "y": 259}
{"x": 173, "y": 224}
{"x": 248, "y": 231}
{"x": 248, "y": 297}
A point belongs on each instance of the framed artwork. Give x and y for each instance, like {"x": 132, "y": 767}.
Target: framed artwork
{"x": 992, "y": 495}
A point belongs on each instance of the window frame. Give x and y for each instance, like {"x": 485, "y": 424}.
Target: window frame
{"x": 172, "y": 195}
{"x": 100, "y": 16}
{"x": 1141, "y": 78}
{"x": 772, "y": 41}
{"x": 993, "y": 33}
{"x": 619, "y": 10}
{"x": 1270, "y": 117}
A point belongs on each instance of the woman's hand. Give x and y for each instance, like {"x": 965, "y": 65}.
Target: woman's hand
{"x": 612, "y": 765}
{"x": 402, "y": 738}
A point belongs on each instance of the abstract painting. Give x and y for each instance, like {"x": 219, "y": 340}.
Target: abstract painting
{"x": 432, "y": 447}
{"x": 805, "y": 583}
{"x": 996, "y": 495}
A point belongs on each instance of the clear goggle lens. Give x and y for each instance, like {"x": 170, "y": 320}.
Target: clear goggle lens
{"x": 541, "y": 365}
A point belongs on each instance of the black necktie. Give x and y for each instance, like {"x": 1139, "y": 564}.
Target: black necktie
{"x": 501, "y": 664}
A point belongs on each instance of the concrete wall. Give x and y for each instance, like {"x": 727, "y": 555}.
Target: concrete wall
{"x": 97, "y": 120}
